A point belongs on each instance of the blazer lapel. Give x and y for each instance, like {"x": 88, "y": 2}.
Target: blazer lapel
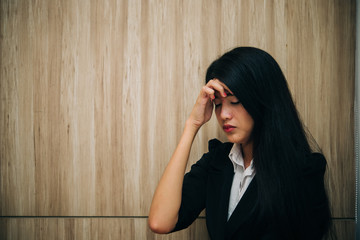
{"x": 244, "y": 210}
{"x": 220, "y": 182}
{"x": 225, "y": 197}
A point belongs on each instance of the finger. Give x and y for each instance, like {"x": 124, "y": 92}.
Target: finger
{"x": 209, "y": 92}
{"x": 224, "y": 86}
{"x": 218, "y": 86}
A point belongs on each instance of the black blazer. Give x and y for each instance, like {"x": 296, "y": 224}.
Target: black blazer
{"x": 208, "y": 186}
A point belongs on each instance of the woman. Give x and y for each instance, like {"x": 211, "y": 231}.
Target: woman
{"x": 265, "y": 183}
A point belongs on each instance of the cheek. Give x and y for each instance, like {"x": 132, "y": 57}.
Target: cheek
{"x": 217, "y": 114}
{"x": 247, "y": 120}
{"x": 250, "y": 123}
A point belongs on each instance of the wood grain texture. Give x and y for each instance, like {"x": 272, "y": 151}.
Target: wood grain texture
{"x": 91, "y": 229}
{"x": 345, "y": 229}
{"x": 322, "y": 86}
{"x": 115, "y": 228}
{"x": 94, "y": 95}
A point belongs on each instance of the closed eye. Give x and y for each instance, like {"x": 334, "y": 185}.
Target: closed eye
{"x": 217, "y": 102}
{"x": 235, "y": 103}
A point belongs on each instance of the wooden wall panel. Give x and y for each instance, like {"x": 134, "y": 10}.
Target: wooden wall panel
{"x": 114, "y": 228}
{"x": 345, "y": 229}
{"x": 323, "y": 86}
{"x": 92, "y": 229}
{"x": 94, "y": 95}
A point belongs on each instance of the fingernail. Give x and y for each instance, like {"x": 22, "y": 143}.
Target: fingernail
{"x": 225, "y": 94}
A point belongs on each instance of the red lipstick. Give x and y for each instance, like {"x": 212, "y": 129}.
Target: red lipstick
{"x": 228, "y": 128}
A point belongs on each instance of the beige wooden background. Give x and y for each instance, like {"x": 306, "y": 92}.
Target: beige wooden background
{"x": 94, "y": 95}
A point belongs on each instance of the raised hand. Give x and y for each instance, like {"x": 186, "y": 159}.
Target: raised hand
{"x": 166, "y": 202}
{"x": 203, "y": 108}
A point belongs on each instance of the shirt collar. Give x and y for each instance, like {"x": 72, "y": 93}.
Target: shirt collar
{"x": 236, "y": 157}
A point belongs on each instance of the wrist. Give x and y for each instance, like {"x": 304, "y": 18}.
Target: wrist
{"x": 191, "y": 126}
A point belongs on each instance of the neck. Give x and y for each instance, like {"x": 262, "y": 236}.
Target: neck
{"x": 247, "y": 154}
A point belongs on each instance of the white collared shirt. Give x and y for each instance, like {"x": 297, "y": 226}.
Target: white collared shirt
{"x": 242, "y": 177}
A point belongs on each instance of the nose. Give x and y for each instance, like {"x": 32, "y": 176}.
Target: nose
{"x": 225, "y": 113}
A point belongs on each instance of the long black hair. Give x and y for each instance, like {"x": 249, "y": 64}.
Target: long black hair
{"x": 280, "y": 143}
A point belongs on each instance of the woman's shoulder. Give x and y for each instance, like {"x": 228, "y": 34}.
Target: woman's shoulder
{"x": 314, "y": 194}
{"x": 315, "y": 163}
{"x": 218, "y": 154}
{"x": 216, "y": 145}
{"x": 214, "y": 159}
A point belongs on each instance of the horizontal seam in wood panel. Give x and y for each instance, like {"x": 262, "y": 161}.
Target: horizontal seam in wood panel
{"x": 202, "y": 217}
{"x": 79, "y": 217}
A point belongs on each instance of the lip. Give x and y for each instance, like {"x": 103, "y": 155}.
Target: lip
{"x": 228, "y": 128}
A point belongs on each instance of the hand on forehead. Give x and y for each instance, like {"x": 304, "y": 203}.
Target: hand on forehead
{"x": 220, "y": 88}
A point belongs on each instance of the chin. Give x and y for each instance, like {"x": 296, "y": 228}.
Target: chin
{"x": 234, "y": 140}
{"x": 237, "y": 139}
